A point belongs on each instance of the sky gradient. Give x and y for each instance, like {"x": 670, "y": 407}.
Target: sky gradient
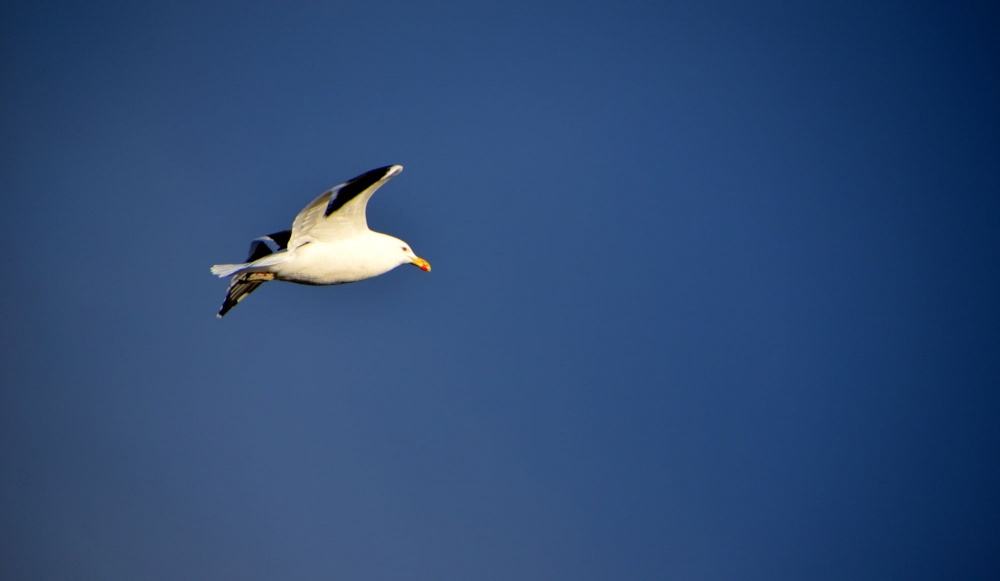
{"x": 714, "y": 291}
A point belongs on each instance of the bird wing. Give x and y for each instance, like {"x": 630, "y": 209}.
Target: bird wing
{"x": 340, "y": 212}
{"x": 239, "y": 288}
{"x": 270, "y": 244}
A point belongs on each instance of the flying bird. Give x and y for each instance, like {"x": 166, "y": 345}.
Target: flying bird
{"x": 329, "y": 243}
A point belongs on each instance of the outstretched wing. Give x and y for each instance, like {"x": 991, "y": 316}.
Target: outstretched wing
{"x": 340, "y": 212}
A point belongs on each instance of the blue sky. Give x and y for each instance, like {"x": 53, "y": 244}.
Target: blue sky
{"x": 714, "y": 291}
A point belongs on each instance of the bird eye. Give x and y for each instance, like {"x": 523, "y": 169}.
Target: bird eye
{"x": 405, "y": 249}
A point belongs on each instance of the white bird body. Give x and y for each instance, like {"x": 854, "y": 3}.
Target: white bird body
{"x": 346, "y": 260}
{"x": 329, "y": 243}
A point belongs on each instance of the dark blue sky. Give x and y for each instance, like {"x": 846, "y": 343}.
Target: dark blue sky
{"x": 714, "y": 291}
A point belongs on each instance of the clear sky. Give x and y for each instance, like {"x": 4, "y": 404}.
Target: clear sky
{"x": 714, "y": 291}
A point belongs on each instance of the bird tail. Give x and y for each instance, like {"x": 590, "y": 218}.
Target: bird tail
{"x": 242, "y": 285}
{"x": 224, "y": 270}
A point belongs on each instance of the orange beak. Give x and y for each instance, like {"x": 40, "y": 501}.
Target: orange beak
{"x": 423, "y": 264}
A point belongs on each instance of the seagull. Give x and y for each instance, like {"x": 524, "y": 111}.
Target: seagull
{"x": 329, "y": 243}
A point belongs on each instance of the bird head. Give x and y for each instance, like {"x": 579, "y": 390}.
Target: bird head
{"x": 414, "y": 259}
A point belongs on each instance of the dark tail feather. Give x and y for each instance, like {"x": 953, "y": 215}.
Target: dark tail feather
{"x": 238, "y": 290}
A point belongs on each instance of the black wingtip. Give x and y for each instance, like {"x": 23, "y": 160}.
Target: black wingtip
{"x": 356, "y": 185}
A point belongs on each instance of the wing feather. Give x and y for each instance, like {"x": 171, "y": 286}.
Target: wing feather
{"x": 270, "y": 244}
{"x": 239, "y": 288}
{"x": 340, "y": 211}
